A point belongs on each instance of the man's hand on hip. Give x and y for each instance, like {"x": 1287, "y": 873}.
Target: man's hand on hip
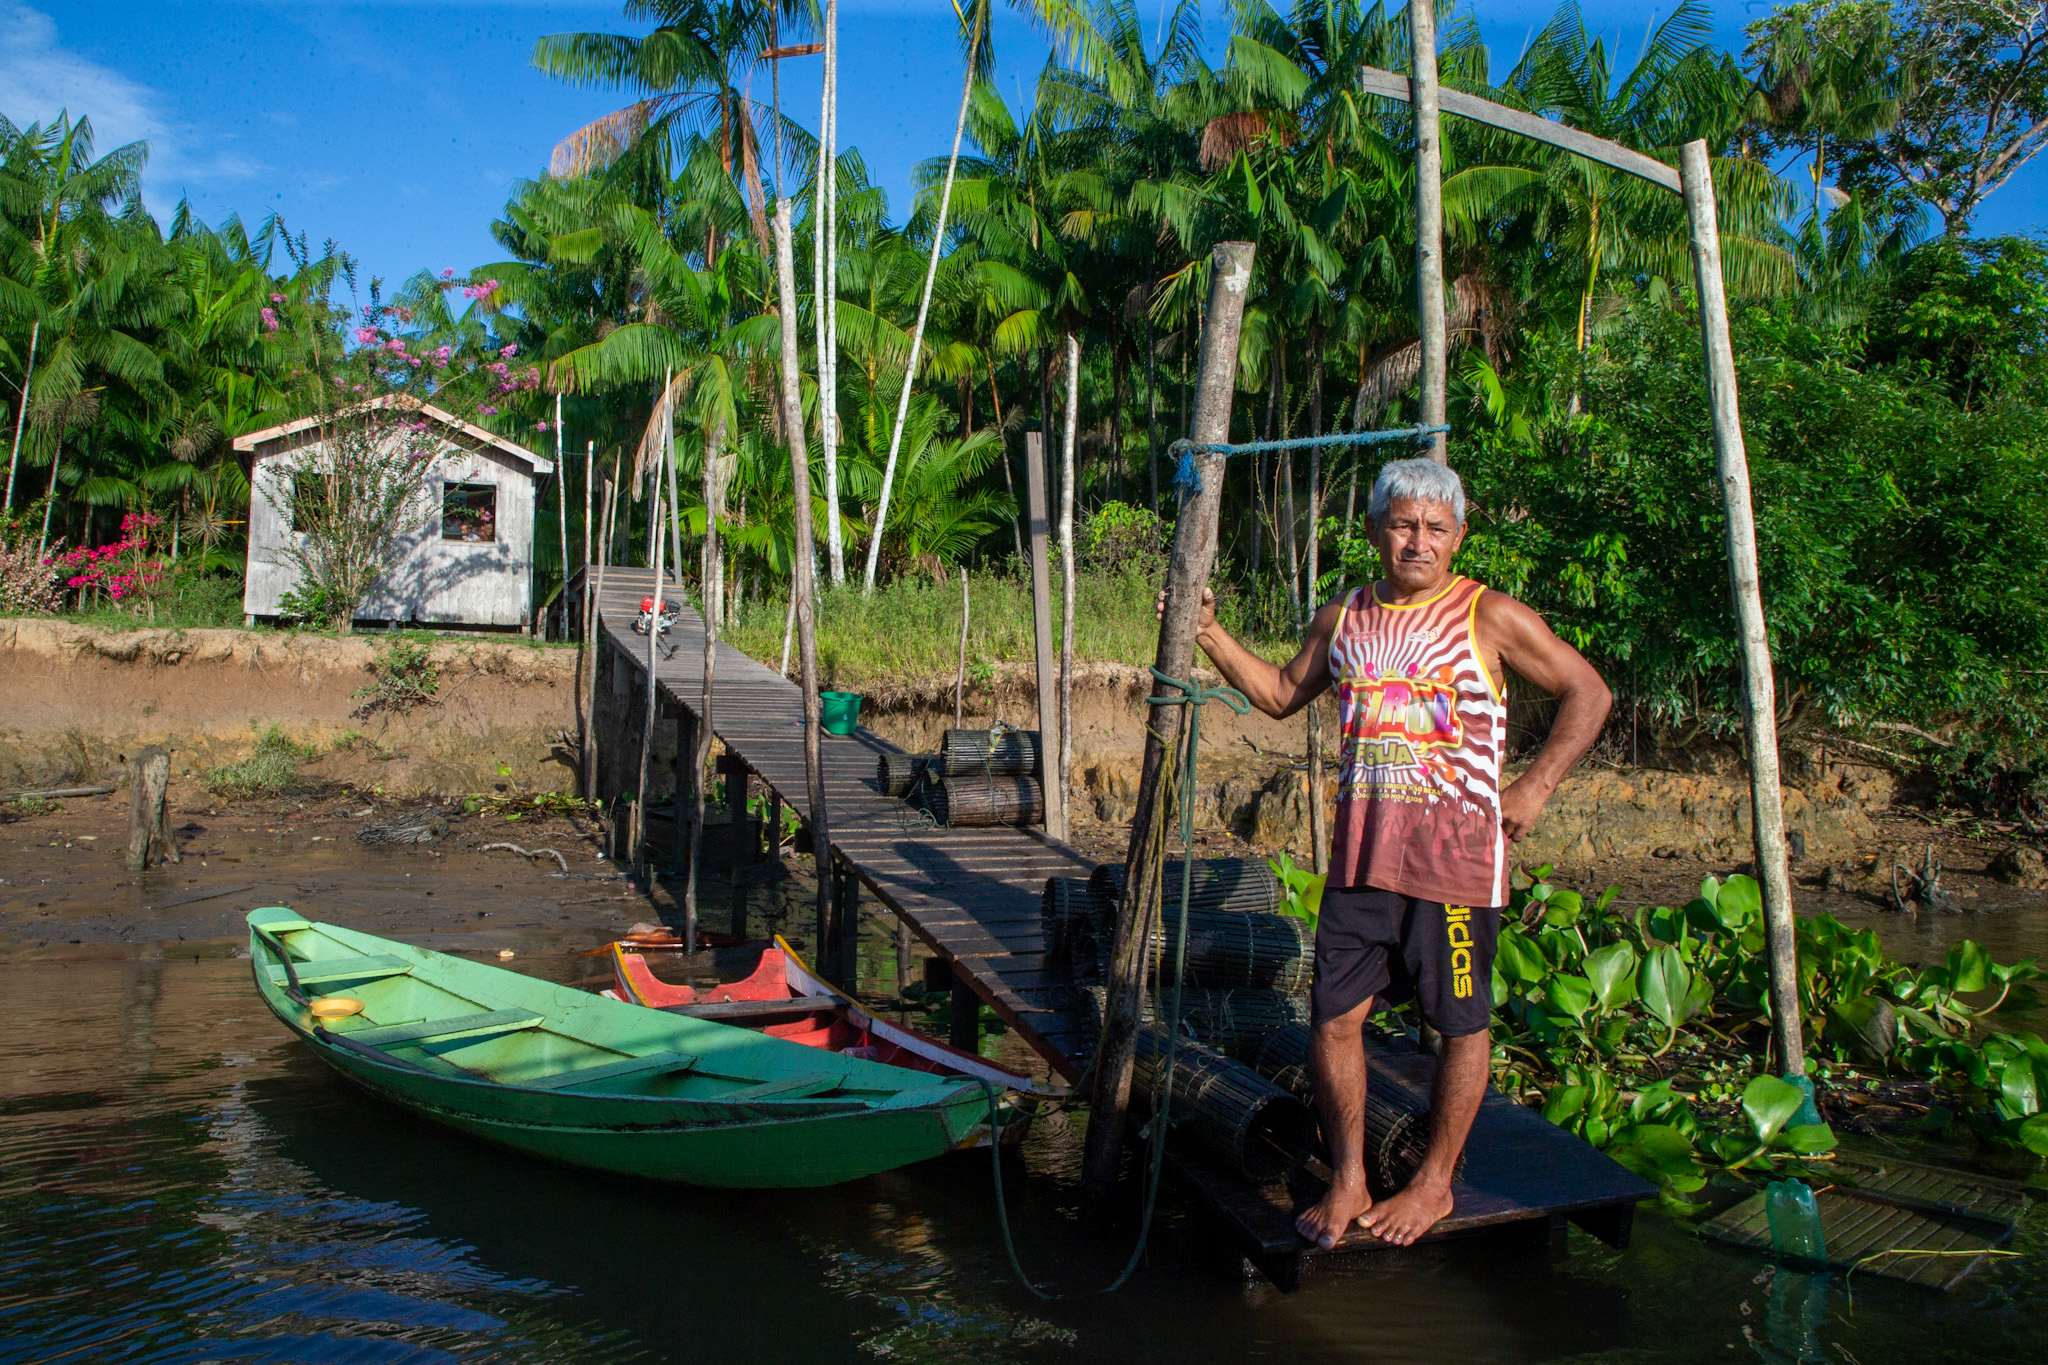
{"x": 1520, "y": 806}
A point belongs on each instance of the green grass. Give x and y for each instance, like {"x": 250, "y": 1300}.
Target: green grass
{"x": 911, "y": 628}
{"x": 271, "y": 770}
{"x": 188, "y": 602}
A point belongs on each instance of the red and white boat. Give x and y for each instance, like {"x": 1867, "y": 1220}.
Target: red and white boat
{"x": 783, "y": 999}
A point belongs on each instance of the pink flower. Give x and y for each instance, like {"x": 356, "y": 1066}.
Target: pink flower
{"x": 269, "y": 318}
{"x": 396, "y": 344}
{"x": 488, "y": 412}
{"x": 510, "y": 351}
{"x": 442, "y": 353}
{"x": 366, "y": 335}
{"x": 479, "y": 291}
{"x": 540, "y": 426}
{"x": 449, "y": 273}
{"x": 277, "y": 298}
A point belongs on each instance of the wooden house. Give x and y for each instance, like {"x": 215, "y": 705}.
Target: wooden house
{"x": 466, "y": 555}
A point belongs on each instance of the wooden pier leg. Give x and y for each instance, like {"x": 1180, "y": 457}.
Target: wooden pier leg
{"x": 1194, "y": 555}
{"x": 849, "y": 927}
{"x": 149, "y": 838}
{"x": 964, "y": 1020}
{"x": 1429, "y": 225}
{"x": 774, "y": 830}
{"x": 682, "y": 852}
{"x": 738, "y": 791}
{"x": 1041, "y": 635}
{"x": 902, "y": 955}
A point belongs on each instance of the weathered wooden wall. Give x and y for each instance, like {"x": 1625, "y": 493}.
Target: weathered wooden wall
{"x": 436, "y": 581}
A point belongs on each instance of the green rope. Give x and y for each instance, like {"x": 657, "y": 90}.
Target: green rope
{"x": 1194, "y": 698}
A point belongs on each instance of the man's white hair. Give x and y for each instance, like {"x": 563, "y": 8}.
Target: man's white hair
{"x": 1422, "y": 479}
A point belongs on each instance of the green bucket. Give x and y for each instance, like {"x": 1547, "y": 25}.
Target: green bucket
{"x": 839, "y": 712}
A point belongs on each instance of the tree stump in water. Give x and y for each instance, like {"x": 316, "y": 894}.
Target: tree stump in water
{"x": 149, "y": 838}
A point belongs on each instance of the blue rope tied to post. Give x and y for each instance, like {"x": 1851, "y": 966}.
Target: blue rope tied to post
{"x": 1188, "y": 479}
{"x": 1194, "y": 698}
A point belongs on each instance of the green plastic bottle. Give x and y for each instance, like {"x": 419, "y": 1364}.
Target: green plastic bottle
{"x": 1795, "y": 1224}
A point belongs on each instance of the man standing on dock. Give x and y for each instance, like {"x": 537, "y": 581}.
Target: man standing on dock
{"x": 1419, "y": 863}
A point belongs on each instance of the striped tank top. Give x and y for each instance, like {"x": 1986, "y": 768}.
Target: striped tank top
{"x": 1422, "y": 723}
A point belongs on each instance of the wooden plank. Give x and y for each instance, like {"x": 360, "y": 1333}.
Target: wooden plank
{"x": 655, "y": 1063}
{"x": 437, "y": 1030}
{"x": 365, "y": 968}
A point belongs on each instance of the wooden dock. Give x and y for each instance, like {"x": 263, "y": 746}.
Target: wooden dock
{"x": 973, "y": 897}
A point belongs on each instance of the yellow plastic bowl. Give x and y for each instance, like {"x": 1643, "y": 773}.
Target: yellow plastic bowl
{"x": 336, "y": 1007}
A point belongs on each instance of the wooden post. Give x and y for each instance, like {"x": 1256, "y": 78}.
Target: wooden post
{"x": 562, "y": 509}
{"x": 636, "y": 831}
{"x": 960, "y": 674}
{"x": 1732, "y": 465}
{"x": 712, "y": 575}
{"x": 1041, "y": 636}
{"x": 149, "y": 837}
{"x": 1066, "y": 744}
{"x": 594, "y": 597}
{"x": 1194, "y": 555}
{"x": 963, "y": 1022}
{"x": 849, "y": 925}
{"x": 1429, "y": 221}
{"x": 803, "y": 586}
{"x": 902, "y": 954}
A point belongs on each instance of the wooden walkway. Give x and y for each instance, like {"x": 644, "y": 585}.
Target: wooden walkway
{"x": 972, "y": 895}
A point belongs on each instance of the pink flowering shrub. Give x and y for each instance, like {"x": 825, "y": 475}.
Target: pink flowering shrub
{"x": 122, "y": 571}
{"x": 28, "y": 581}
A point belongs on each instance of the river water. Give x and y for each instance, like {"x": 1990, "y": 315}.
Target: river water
{"x": 180, "y": 1182}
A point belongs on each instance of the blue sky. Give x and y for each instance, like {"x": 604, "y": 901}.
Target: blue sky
{"x": 398, "y": 128}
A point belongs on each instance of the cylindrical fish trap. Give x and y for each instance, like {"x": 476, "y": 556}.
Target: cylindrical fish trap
{"x": 1236, "y": 1023}
{"x": 1228, "y": 949}
{"x": 1011, "y": 753}
{"x": 1396, "y": 1127}
{"x": 1239, "y": 884}
{"x": 965, "y": 802}
{"x": 899, "y": 774}
{"x": 1241, "y": 1118}
{"x": 1071, "y": 912}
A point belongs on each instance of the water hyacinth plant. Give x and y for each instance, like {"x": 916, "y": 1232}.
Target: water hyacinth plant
{"x": 1628, "y": 1029}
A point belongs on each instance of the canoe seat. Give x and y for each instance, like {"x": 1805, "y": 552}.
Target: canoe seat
{"x": 278, "y": 919}
{"x": 455, "y": 1026}
{"x": 655, "y": 1063}
{"x": 921, "y": 1096}
{"x": 344, "y": 969}
{"x": 789, "y": 1088}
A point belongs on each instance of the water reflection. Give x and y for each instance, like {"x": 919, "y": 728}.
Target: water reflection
{"x": 179, "y": 1182}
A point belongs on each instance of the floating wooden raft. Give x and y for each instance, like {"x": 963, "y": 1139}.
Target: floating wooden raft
{"x": 1254, "y": 1127}
{"x": 1898, "y": 1219}
{"x": 898, "y": 774}
{"x": 1396, "y": 1123}
{"x": 1240, "y": 884}
{"x": 980, "y": 800}
{"x": 1011, "y": 753}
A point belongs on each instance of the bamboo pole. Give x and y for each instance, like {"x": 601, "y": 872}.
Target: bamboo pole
{"x": 562, "y": 507}
{"x": 1429, "y": 221}
{"x": 825, "y": 288}
{"x": 35, "y": 333}
{"x": 596, "y": 599}
{"x": 1318, "y": 837}
{"x": 636, "y": 836}
{"x": 1064, "y": 778}
{"x": 1194, "y": 555}
{"x": 960, "y": 674}
{"x": 1041, "y": 628}
{"x": 675, "y": 506}
{"x": 803, "y": 588}
{"x": 583, "y": 649}
{"x": 1732, "y": 467}
{"x": 924, "y": 303}
{"x": 713, "y": 573}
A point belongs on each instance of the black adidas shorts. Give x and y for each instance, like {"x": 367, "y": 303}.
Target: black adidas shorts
{"x": 1389, "y": 948}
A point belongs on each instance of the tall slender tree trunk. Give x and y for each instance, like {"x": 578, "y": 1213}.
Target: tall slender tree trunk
{"x": 1294, "y": 593}
{"x": 828, "y": 357}
{"x": 1009, "y": 479}
{"x": 35, "y": 333}
{"x": 1152, "y": 411}
{"x": 1319, "y": 843}
{"x": 1066, "y": 762}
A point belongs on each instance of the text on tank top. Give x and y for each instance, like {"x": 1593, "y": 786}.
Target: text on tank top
{"x": 1422, "y": 722}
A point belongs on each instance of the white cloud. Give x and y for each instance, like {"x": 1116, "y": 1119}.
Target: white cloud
{"x": 40, "y": 79}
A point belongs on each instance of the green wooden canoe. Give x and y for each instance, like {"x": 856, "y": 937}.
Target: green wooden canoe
{"x": 592, "y": 1082}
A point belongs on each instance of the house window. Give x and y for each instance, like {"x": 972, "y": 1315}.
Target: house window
{"x": 469, "y": 511}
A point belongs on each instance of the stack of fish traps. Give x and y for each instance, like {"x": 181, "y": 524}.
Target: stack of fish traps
{"x": 978, "y": 778}
{"x": 1396, "y": 1125}
{"x": 1238, "y": 1116}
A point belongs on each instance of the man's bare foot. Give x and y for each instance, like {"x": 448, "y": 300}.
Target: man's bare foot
{"x": 1327, "y": 1222}
{"x": 1402, "y": 1218}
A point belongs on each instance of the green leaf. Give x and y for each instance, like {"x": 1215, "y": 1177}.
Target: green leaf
{"x": 1868, "y": 1024}
{"x": 2019, "y": 1082}
{"x": 1969, "y": 967}
{"x": 1739, "y": 903}
{"x": 1612, "y": 973}
{"x": 1572, "y": 994}
{"x": 2033, "y": 1134}
{"x": 1565, "y": 1103}
{"x": 1770, "y": 1104}
{"x": 1561, "y": 909}
{"x": 1665, "y": 984}
{"x": 1807, "y": 1139}
{"x": 1520, "y": 960}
